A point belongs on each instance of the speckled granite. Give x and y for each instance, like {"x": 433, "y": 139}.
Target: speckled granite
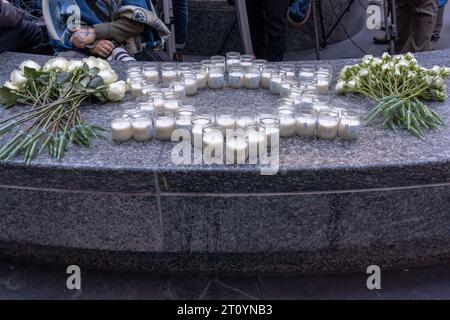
{"x": 333, "y": 206}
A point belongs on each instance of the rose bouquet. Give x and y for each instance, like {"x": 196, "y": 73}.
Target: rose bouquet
{"x": 54, "y": 94}
{"x": 398, "y": 84}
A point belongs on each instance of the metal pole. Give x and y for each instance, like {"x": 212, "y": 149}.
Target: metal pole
{"x": 393, "y": 30}
{"x": 387, "y": 27}
{"x": 316, "y": 29}
{"x": 241, "y": 11}
{"x": 168, "y": 20}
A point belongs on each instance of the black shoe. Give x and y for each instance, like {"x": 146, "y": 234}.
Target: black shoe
{"x": 380, "y": 39}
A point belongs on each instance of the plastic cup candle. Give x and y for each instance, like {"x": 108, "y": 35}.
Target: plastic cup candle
{"x": 252, "y": 78}
{"x": 216, "y": 78}
{"x": 350, "y": 125}
{"x": 272, "y": 124}
{"x": 201, "y": 75}
{"x": 246, "y": 60}
{"x": 226, "y": 121}
{"x": 190, "y": 83}
{"x": 164, "y": 125}
{"x": 236, "y": 77}
{"x": 257, "y": 140}
{"x": 198, "y": 122}
{"x": 121, "y": 126}
{"x": 213, "y": 142}
{"x": 171, "y": 102}
{"x": 286, "y": 115}
{"x": 244, "y": 118}
{"x": 168, "y": 72}
{"x": 266, "y": 73}
{"x": 275, "y": 81}
{"x": 142, "y": 124}
{"x": 158, "y": 99}
{"x": 327, "y": 125}
{"x": 323, "y": 83}
{"x": 148, "y": 87}
{"x": 151, "y": 72}
{"x": 236, "y": 151}
{"x": 289, "y": 69}
{"x": 306, "y": 123}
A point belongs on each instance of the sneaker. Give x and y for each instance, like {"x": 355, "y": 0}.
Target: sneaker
{"x": 299, "y": 12}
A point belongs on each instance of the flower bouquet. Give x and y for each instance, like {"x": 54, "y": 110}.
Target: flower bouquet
{"x": 398, "y": 84}
{"x": 54, "y": 94}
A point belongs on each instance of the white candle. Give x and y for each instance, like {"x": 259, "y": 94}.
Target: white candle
{"x": 246, "y": 64}
{"x": 202, "y": 80}
{"x": 272, "y": 136}
{"x": 275, "y": 84}
{"x": 151, "y": 75}
{"x": 233, "y": 63}
{"x": 236, "y": 80}
{"x": 216, "y": 80}
{"x": 236, "y": 150}
{"x": 213, "y": 144}
{"x": 306, "y": 126}
{"x": 121, "y": 130}
{"x": 226, "y": 122}
{"x": 265, "y": 77}
{"x": 322, "y": 86}
{"x": 243, "y": 122}
{"x": 285, "y": 87}
{"x": 136, "y": 88}
{"x": 168, "y": 75}
{"x": 256, "y": 140}
{"x": 142, "y": 129}
{"x": 183, "y": 123}
{"x": 197, "y": 131}
{"x": 252, "y": 80}
{"x": 327, "y": 129}
{"x": 164, "y": 128}
{"x": 179, "y": 88}
{"x": 349, "y": 128}
{"x": 191, "y": 86}
{"x": 287, "y": 125}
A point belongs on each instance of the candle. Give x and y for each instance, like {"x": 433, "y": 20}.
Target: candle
{"x": 306, "y": 123}
{"x": 212, "y": 144}
{"x": 146, "y": 103}
{"x": 171, "y": 102}
{"x": 183, "y": 119}
{"x": 272, "y": 124}
{"x": 164, "y": 125}
{"x": 136, "y": 87}
{"x": 287, "y": 121}
{"x": 265, "y": 76}
{"x": 350, "y": 125}
{"x": 322, "y": 86}
{"x": 306, "y": 72}
{"x": 142, "y": 125}
{"x": 252, "y": 78}
{"x": 190, "y": 83}
{"x": 158, "y": 99}
{"x": 244, "y": 118}
{"x": 218, "y": 61}
{"x": 236, "y": 77}
{"x": 121, "y": 130}
{"x": 327, "y": 125}
{"x": 226, "y": 121}
{"x": 151, "y": 73}
{"x": 257, "y": 141}
{"x": 182, "y": 68}
{"x": 179, "y": 88}
{"x": 198, "y": 122}
{"x": 275, "y": 81}
{"x": 216, "y": 78}
{"x": 168, "y": 72}
{"x": 289, "y": 69}
{"x": 233, "y": 59}
{"x": 236, "y": 149}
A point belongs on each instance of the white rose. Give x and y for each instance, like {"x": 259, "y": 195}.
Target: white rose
{"x": 340, "y": 87}
{"x": 439, "y": 82}
{"x": 18, "y": 79}
{"x": 385, "y": 56}
{"x": 57, "y": 63}
{"x": 116, "y": 91}
{"x": 108, "y": 76}
{"x": 74, "y": 64}
{"x": 103, "y": 65}
{"x": 363, "y": 73}
{"x": 351, "y": 84}
{"x": 377, "y": 61}
{"x": 29, "y": 64}
{"x": 11, "y": 86}
{"x": 91, "y": 62}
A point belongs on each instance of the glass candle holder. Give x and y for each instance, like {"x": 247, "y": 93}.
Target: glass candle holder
{"x": 190, "y": 83}
{"x": 327, "y": 124}
{"x": 179, "y": 87}
{"x": 285, "y": 102}
{"x": 213, "y": 142}
{"x": 236, "y": 77}
{"x": 252, "y": 77}
{"x": 308, "y": 99}
{"x": 168, "y": 72}
{"x": 339, "y": 110}
{"x": 146, "y": 103}
{"x": 121, "y": 130}
{"x": 218, "y": 61}
{"x": 151, "y": 72}
{"x": 136, "y": 86}
{"x": 306, "y": 72}
{"x": 171, "y": 101}
{"x": 247, "y": 60}
{"x": 296, "y": 96}
{"x": 266, "y": 73}
{"x": 148, "y": 86}
{"x": 183, "y": 67}
{"x": 158, "y": 99}
{"x": 183, "y": 118}
{"x": 164, "y": 125}
{"x": 286, "y": 115}
{"x": 260, "y": 63}
{"x": 286, "y": 85}
{"x": 226, "y": 121}
{"x": 142, "y": 124}
{"x": 216, "y": 77}
{"x": 323, "y": 82}
{"x": 130, "y": 107}
{"x": 134, "y": 74}
{"x": 350, "y": 125}
{"x": 321, "y": 102}
{"x": 233, "y": 59}
{"x": 272, "y": 124}
{"x": 325, "y": 68}
{"x": 244, "y": 118}
{"x": 306, "y": 123}
{"x": 166, "y": 87}
{"x": 207, "y": 63}
{"x": 275, "y": 81}
{"x": 236, "y": 150}
{"x": 289, "y": 69}
{"x": 257, "y": 141}
{"x": 198, "y": 122}
{"x": 201, "y": 74}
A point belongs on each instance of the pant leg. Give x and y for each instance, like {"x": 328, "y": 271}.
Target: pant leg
{"x": 276, "y": 26}
{"x": 403, "y": 10}
{"x": 255, "y": 15}
{"x": 437, "y": 28}
{"x": 180, "y": 13}
{"x": 424, "y": 15}
{"x": 31, "y": 37}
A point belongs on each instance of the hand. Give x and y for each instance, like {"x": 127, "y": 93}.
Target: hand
{"x": 83, "y": 37}
{"x": 103, "y": 48}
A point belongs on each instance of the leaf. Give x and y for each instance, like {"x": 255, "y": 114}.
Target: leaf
{"x": 85, "y": 68}
{"x": 30, "y": 73}
{"x": 8, "y": 97}
{"x": 93, "y": 72}
{"x": 85, "y": 81}
{"x": 63, "y": 77}
{"x": 100, "y": 96}
{"x": 96, "y": 82}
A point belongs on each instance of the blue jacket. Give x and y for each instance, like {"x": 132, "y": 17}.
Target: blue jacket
{"x": 442, "y": 3}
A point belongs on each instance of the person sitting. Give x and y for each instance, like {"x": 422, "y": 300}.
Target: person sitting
{"x": 108, "y": 30}
{"x": 16, "y": 34}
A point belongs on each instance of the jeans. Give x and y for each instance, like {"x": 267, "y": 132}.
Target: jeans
{"x": 268, "y": 19}
{"x": 180, "y": 13}
{"x": 28, "y": 37}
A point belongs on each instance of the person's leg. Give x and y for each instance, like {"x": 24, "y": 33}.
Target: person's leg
{"x": 276, "y": 26}
{"x": 437, "y": 28}
{"x": 31, "y": 37}
{"x": 257, "y": 28}
{"x": 180, "y": 14}
{"x": 403, "y": 10}
{"x": 423, "y": 21}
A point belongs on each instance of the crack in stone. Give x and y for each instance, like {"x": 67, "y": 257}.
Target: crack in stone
{"x": 222, "y": 284}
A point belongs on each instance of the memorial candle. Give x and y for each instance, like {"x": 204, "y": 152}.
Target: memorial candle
{"x": 252, "y": 78}
{"x": 213, "y": 142}
{"x": 236, "y": 149}
{"x": 350, "y": 125}
{"x": 168, "y": 72}
{"x": 158, "y": 99}
{"x": 266, "y": 74}
{"x": 121, "y": 129}
{"x": 272, "y": 124}
{"x": 216, "y": 78}
{"x": 306, "y": 123}
{"x": 286, "y": 116}
{"x": 198, "y": 122}
{"x": 201, "y": 74}
{"x": 190, "y": 82}
{"x": 164, "y": 125}
{"x": 257, "y": 140}
{"x": 151, "y": 72}
{"x": 226, "y": 121}
{"x": 236, "y": 77}
{"x": 327, "y": 125}
{"x": 142, "y": 125}
{"x": 244, "y": 118}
